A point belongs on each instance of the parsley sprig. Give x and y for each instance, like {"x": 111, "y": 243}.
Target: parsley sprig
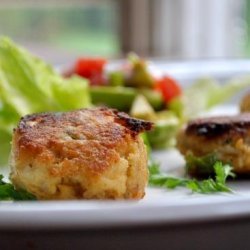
{"x": 8, "y": 192}
{"x": 218, "y": 184}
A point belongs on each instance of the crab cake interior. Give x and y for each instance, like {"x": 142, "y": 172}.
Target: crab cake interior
{"x": 83, "y": 154}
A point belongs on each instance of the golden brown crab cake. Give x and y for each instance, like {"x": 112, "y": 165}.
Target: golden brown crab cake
{"x": 85, "y": 154}
{"x": 245, "y": 103}
{"x": 226, "y": 136}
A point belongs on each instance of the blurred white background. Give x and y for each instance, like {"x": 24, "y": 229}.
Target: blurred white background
{"x": 174, "y": 29}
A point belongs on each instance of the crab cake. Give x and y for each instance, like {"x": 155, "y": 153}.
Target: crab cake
{"x": 226, "y": 136}
{"x": 245, "y": 103}
{"x": 85, "y": 154}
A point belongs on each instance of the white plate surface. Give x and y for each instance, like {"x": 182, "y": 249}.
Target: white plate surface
{"x": 158, "y": 207}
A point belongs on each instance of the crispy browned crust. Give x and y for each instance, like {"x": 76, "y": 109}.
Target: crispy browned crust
{"x": 90, "y": 137}
{"x": 213, "y": 127}
{"x": 135, "y": 125}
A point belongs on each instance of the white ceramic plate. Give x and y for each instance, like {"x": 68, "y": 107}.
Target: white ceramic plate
{"x": 158, "y": 207}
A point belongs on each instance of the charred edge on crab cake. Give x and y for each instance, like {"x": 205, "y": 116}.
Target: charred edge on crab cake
{"x": 135, "y": 125}
{"x": 83, "y": 154}
{"x": 218, "y": 126}
{"x": 226, "y": 136}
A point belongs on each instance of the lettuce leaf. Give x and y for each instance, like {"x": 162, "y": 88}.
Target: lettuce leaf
{"x": 29, "y": 85}
{"x": 206, "y": 93}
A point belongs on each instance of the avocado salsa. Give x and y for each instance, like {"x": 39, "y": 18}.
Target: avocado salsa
{"x": 132, "y": 88}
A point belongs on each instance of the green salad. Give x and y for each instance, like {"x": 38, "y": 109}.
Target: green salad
{"x": 29, "y": 85}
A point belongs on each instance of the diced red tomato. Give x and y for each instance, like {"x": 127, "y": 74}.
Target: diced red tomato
{"x": 168, "y": 87}
{"x": 92, "y": 69}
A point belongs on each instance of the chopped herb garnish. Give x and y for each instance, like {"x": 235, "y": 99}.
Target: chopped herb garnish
{"x": 210, "y": 185}
{"x": 8, "y": 192}
{"x": 201, "y": 166}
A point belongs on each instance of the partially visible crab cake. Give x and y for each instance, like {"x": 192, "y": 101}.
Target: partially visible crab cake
{"x": 84, "y": 154}
{"x": 245, "y": 103}
{"x": 226, "y": 136}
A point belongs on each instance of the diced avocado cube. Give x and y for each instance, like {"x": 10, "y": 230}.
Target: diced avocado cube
{"x": 142, "y": 109}
{"x": 120, "y": 98}
{"x": 116, "y": 78}
{"x": 140, "y": 75}
{"x": 163, "y": 134}
{"x": 153, "y": 97}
